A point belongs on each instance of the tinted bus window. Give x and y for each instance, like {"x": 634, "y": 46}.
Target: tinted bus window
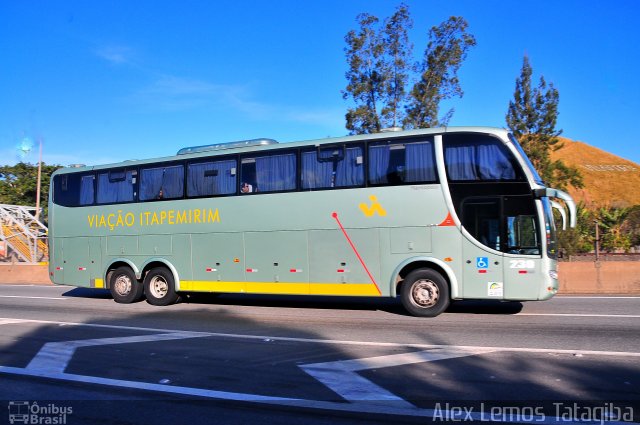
{"x": 268, "y": 173}
{"x": 332, "y": 166}
{"x": 73, "y": 190}
{"x": 212, "y": 178}
{"x": 162, "y": 182}
{"x": 398, "y": 163}
{"x": 477, "y": 157}
{"x": 115, "y": 186}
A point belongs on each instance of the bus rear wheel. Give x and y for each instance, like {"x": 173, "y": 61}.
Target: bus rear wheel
{"x": 159, "y": 287}
{"x": 124, "y": 286}
{"x": 425, "y": 293}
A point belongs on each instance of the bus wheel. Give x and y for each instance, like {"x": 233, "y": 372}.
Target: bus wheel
{"x": 425, "y": 293}
{"x": 124, "y": 286}
{"x": 159, "y": 287}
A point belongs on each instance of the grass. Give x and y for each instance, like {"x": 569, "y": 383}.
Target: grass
{"x": 603, "y": 186}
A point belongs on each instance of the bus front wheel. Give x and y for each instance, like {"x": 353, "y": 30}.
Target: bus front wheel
{"x": 159, "y": 287}
{"x": 124, "y": 286}
{"x": 425, "y": 293}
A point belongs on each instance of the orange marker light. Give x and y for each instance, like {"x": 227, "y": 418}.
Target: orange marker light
{"x": 448, "y": 259}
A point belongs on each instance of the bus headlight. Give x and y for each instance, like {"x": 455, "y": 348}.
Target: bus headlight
{"x": 553, "y": 274}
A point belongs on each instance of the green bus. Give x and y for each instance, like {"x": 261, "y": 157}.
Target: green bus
{"x": 428, "y": 216}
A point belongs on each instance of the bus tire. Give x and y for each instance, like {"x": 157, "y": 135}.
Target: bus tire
{"x": 124, "y": 286}
{"x": 425, "y": 293}
{"x": 160, "y": 288}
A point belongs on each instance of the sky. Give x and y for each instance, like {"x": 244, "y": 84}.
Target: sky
{"x": 105, "y": 81}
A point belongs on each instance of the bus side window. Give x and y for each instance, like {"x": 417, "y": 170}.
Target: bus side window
{"x": 269, "y": 173}
{"x": 316, "y": 174}
{"x": 472, "y": 157}
{"x": 334, "y": 167}
{"x": 74, "y": 190}
{"x": 399, "y": 163}
{"x": 481, "y": 218}
{"x": 213, "y": 178}
{"x": 162, "y": 182}
{"x": 86, "y": 190}
{"x": 350, "y": 171}
{"x": 115, "y": 186}
{"x": 419, "y": 163}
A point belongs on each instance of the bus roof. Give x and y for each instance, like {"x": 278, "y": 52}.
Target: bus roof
{"x": 255, "y": 145}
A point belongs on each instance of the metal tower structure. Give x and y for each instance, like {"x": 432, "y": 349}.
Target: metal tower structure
{"x": 24, "y": 235}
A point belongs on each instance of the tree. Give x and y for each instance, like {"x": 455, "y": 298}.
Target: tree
{"x": 399, "y": 51}
{"x": 448, "y": 45}
{"x": 581, "y": 238}
{"x": 366, "y": 76}
{"x": 18, "y": 184}
{"x": 380, "y": 69}
{"x": 613, "y": 236}
{"x": 631, "y": 225}
{"x": 532, "y": 117}
{"x": 619, "y": 230}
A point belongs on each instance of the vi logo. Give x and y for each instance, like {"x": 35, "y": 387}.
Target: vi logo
{"x": 375, "y": 208}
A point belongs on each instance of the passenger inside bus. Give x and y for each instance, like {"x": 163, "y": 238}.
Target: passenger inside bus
{"x": 247, "y": 188}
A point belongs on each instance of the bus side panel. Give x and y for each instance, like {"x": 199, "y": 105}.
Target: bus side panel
{"x": 333, "y": 258}
{"x": 77, "y": 262}
{"x": 410, "y": 240}
{"x": 448, "y": 247}
{"x": 276, "y": 262}
{"x": 181, "y": 258}
{"x": 56, "y": 260}
{"x": 152, "y": 245}
{"x": 217, "y": 263}
{"x": 122, "y": 246}
{"x": 399, "y": 244}
{"x": 96, "y": 279}
{"x": 523, "y": 278}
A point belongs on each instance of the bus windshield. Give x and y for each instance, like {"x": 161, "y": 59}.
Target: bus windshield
{"x": 526, "y": 159}
{"x": 550, "y": 228}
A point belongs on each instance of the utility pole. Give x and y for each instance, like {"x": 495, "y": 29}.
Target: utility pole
{"x": 597, "y": 241}
{"x": 39, "y": 179}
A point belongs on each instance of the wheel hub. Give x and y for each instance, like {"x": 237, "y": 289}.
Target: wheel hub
{"x": 425, "y": 293}
{"x": 123, "y": 285}
{"x": 158, "y": 287}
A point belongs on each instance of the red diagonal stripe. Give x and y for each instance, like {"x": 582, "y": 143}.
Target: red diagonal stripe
{"x": 335, "y": 215}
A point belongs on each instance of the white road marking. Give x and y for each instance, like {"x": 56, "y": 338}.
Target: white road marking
{"x": 389, "y": 408}
{"x": 341, "y": 376}
{"x": 55, "y": 356}
{"x": 394, "y": 406}
{"x": 626, "y": 316}
{"x": 339, "y": 342}
{"x": 10, "y": 321}
{"x": 140, "y": 385}
{"x": 34, "y": 298}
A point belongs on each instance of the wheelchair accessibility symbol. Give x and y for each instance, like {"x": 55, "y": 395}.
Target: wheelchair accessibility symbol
{"x": 482, "y": 262}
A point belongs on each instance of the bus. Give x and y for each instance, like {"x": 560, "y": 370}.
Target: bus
{"x": 427, "y": 216}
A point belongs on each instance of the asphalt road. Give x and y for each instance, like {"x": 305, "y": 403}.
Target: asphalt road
{"x": 74, "y": 354}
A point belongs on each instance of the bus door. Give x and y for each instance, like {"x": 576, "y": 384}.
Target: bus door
{"x": 522, "y": 265}
{"x": 482, "y": 265}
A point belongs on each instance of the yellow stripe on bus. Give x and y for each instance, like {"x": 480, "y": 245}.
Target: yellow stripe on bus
{"x": 282, "y": 288}
{"x": 276, "y": 288}
{"x": 98, "y": 283}
{"x": 211, "y": 286}
{"x": 362, "y": 289}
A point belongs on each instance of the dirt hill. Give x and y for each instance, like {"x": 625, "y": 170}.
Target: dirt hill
{"x": 608, "y": 179}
